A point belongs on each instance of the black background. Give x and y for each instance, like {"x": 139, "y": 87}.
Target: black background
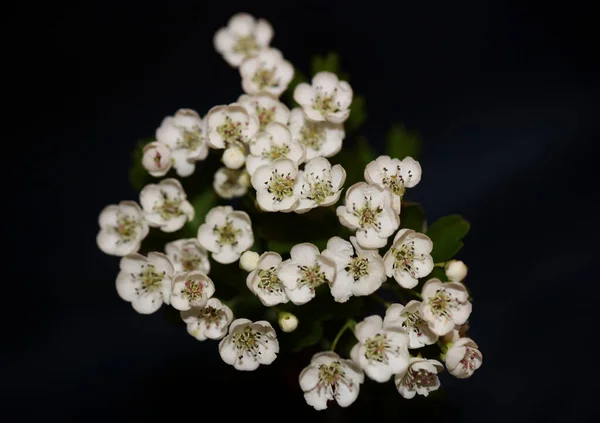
{"x": 503, "y": 94}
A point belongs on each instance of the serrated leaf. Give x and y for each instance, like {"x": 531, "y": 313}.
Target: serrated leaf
{"x": 412, "y": 217}
{"x": 447, "y": 234}
{"x": 401, "y": 143}
{"x": 358, "y": 114}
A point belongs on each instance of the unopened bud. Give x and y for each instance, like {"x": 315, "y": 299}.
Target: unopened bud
{"x": 156, "y": 159}
{"x": 249, "y": 260}
{"x": 456, "y": 270}
{"x": 233, "y": 158}
{"x": 287, "y": 321}
{"x": 244, "y": 179}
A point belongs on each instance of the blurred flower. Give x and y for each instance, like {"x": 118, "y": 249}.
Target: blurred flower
{"x": 319, "y": 138}
{"x": 456, "y": 270}
{"x": 187, "y": 255}
{"x": 249, "y": 260}
{"x": 231, "y": 183}
{"x": 265, "y": 108}
{"x": 266, "y": 73}
{"x": 243, "y": 37}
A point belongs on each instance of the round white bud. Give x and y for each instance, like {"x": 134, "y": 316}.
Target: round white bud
{"x": 249, "y": 260}
{"x": 156, "y": 159}
{"x": 287, "y": 321}
{"x": 456, "y": 270}
{"x": 244, "y": 179}
{"x": 233, "y": 158}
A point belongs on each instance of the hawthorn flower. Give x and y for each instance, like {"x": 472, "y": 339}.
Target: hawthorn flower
{"x": 165, "y": 205}
{"x": 305, "y": 270}
{"x": 421, "y": 378}
{"x": 264, "y": 281}
{"x": 243, "y": 37}
{"x": 359, "y": 272}
{"x": 265, "y": 108}
{"x": 327, "y": 99}
{"x": 230, "y": 126}
{"x": 234, "y": 157}
{"x": 266, "y": 73}
{"x": 456, "y": 270}
{"x": 319, "y": 184}
{"x": 156, "y": 159}
{"x": 191, "y": 289}
{"x": 409, "y": 258}
{"x": 274, "y": 184}
{"x": 249, "y": 260}
{"x": 275, "y": 142}
{"x": 184, "y": 134}
{"x": 409, "y": 318}
{"x": 231, "y": 183}
{"x": 463, "y": 358}
{"x": 226, "y": 233}
{"x": 208, "y": 322}
{"x": 444, "y": 305}
{"x": 329, "y": 377}
{"x": 320, "y": 139}
{"x": 248, "y": 344}
{"x": 122, "y": 229}
{"x": 145, "y": 282}
{"x": 187, "y": 255}
{"x": 395, "y": 174}
{"x": 369, "y": 209}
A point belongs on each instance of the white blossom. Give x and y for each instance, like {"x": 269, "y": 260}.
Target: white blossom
{"x": 230, "y": 126}
{"x": 327, "y": 98}
{"x": 319, "y": 184}
{"x": 191, "y": 289}
{"x": 122, "y": 229}
{"x": 359, "y": 271}
{"x": 243, "y": 37}
{"x": 249, "y": 260}
{"x": 264, "y": 281}
{"x": 395, "y": 174}
{"x": 459, "y": 331}
{"x": 208, "y": 322}
{"x": 226, "y": 233}
{"x": 444, "y": 305}
{"x": 274, "y": 143}
{"x": 234, "y": 157}
{"x": 156, "y": 159}
{"x": 420, "y": 378}
{"x": 319, "y": 138}
{"x": 409, "y": 258}
{"x": 409, "y": 318}
{"x": 381, "y": 351}
{"x": 456, "y": 270}
{"x": 463, "y": 358}
{"x": 266, "y": 73}
{"x": 304, "y": 271}
{"x": 329, "y": 377}
{"x": 266, "y": 109}
{"x": 248, "y": 344}
{"x": 231, "y": 183}
{"x": 369, "y": 210}
{"x": 187, "y": 255}
{"x": 145, "y": 282}
{"x": 274, "y": 184}
{"x": 165, "y": 205}
{"x": 287, "y": 322}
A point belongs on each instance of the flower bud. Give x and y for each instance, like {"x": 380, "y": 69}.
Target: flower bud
{"x": 156, "y": 159}
{"x": 249, "y": 260}
{"x": 287, "y": 322}
{"x": 456, "y": 270}
{"x": 233, "y": 158}
{"x": 244, "y": 179}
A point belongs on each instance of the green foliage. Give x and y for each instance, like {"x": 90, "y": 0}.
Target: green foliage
{"x": 401, "y": 143}
{"x": 358, "y": 114}
{"x": 354, "y": 159}
{"x": 138, "y": 176}
{"x": 328, "y": 63}
{"x": 288, "y": 94}
{"x": 447, "y": 234}
{"x": 412, "y": 216}
{"x": 307, "y": 334}
{"x": 202, "y": 204}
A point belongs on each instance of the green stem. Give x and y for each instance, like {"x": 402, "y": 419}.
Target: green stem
{"x": 350, "y": 323}
{"x": 378, "y": 298}
{"x": 416, "y": 294}
{"x": 441, "y": 264}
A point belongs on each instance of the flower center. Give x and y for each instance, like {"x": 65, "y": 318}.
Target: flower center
{"x": 245, "y": 45}
{"x": 212, "y": 316}
{"x": 312, "y": 276}
{"x": 169, "y": 208}
{"x": 248, "y": 341}
{"x": 191, "y": 139}
{"x": 265, "y": 115}
{"x": 320, "y": 191}
{"x": 280, "y": 186}
{"x": 358, "y": 267}
{"x": 378, "y": 347}
{"x": 269, "y": 281}
{"x": 232, "y": 132}
{"x": 368, "y": 215}
{"x": 276, "y": 152}
{"x": 190, "y": 260}
{"x": 420, "y": 379}
{"x": 404, "y": 257}
{"x": 194, "y": 289}
{"x": 394, "y": 182}
{"x": 413, "y": 321}
{"x": 469, "y": 360}
{"x": 157, "y": 158}
{"x": 312, "y": 136}
{"x": 150, "y": 279}
{"x": 265, "y": 78}
{"x": 127, "y": 228}
{"x": 441, "y": 303}
{"x": 227, "y": 234}
{"x": 325, "y": 103}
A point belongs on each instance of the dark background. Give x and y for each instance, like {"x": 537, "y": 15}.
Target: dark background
{"x": 503, "y": 95}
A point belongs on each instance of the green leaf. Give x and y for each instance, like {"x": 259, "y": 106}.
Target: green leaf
{"x": 439, "y": 273}
{"x": 202, "y": 203}
{"x": 358, "y": 114}
{"x": 401, "y": 143}
{"x": 412, "y": 216}
{"x": 307, "y": 334}
{"x": 447, "y": 234}
{"x": 138, "y": 176}
{"x": 328, "y": 63}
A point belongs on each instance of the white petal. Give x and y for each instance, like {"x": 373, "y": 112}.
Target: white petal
{"x": 147, "y": 303}
{"x": 369, "y": 327}
{"x": 316, "y": 400}
{"x": 303, "y": 94}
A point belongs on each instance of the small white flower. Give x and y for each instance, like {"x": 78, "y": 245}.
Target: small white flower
{"x": 274, "y": 184}
{"x": 369, "y": 209}
{"x": 409, "y": 258}
{"x": 329, "y": 377}
{"x": 304, "y": 271}
{"x": 274, "y": 143}
{"x": 421, "y": 378}
{"x": 165, "y": 205}
{"x": 444, "y": 305}
{"x": 395, "y": 174}
{"x": 208, "y": 322}
{"x": 226, "y": 233}
{"x": 265, "y": 108}
{"x": 234, "y": 157}
{"x": 409, "y": 318}
{"x": 287, "y": 322}
{"x": 319, "y": 184}
{"x": 266, "y": 73}
{"x": 184, "y": 134}
{"x": 230, "y": 126}
{"x": 231, "y": 183}
{"x": 122, "y": 229}
{"x": 248, "y": 344}
{"x": 249, "y": 261}
{"x": 381, "y": 351}
{"x": 145, "y": 282}
{"x": 320, "y": 139}
{"x": 359, "y": 272}
{"x": 463, "y": 358}
{"x": 243, "y": 37}
{"x": 264, "y": 281}
{"x": 156, "y": 159}
{"x": 456, "y": 270}
{"x": 327, "y": 98}
{"x": 191, "y": 289}
{"x": 187, "y": 255}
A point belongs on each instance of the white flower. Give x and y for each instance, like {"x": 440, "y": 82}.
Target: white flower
{"x": 208, "y": 322}
{"x": 420, "y": 378}
{"x": 456, "y": 270}
{"x": 320, "y": 139}
{"x": 145, "y": 282}
{"x": 275, "y": 142}
{"x": 264, "y": 282}
{"x": 184, "y": 134}
{"x": 463, "y": 358}
{"x": 234, "y": 157}
{"x": 329, "y": 377}
{"x": 187, "y": 255}
{"x": 265, "y": 108}
{"x": 249, "y": 260}
{"x": 249, "y": 345}
{"x": 243, "y": 37}
{"x": 266, "y": 73}
{"x": 409, "y": 258}
{"x": 226, "y": 233}
{"x": 287, "y": 322}
{"x": 230, "y": 126}
{"x": 381, "y": 351}
{"x": 165, "y": 205}
{"x": 444, "y": 305}
{"x": 327, "y": 98}
{"x": 231, "y": 183}
{"x": 156, "y": 159}
{"x": 305, "y": 270}
{"x": 369, "y": 209}
{"x": 319, "y": 184}
{"x": 359, "y": 272}
{"x": 122, "y": 229}
{"x": 409, "y": 318}
{"x": 274, "y": 184}
{"x": 191, "y": 289}
{"x": 395, "y": 174}
{"x": 459, "y": 331}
